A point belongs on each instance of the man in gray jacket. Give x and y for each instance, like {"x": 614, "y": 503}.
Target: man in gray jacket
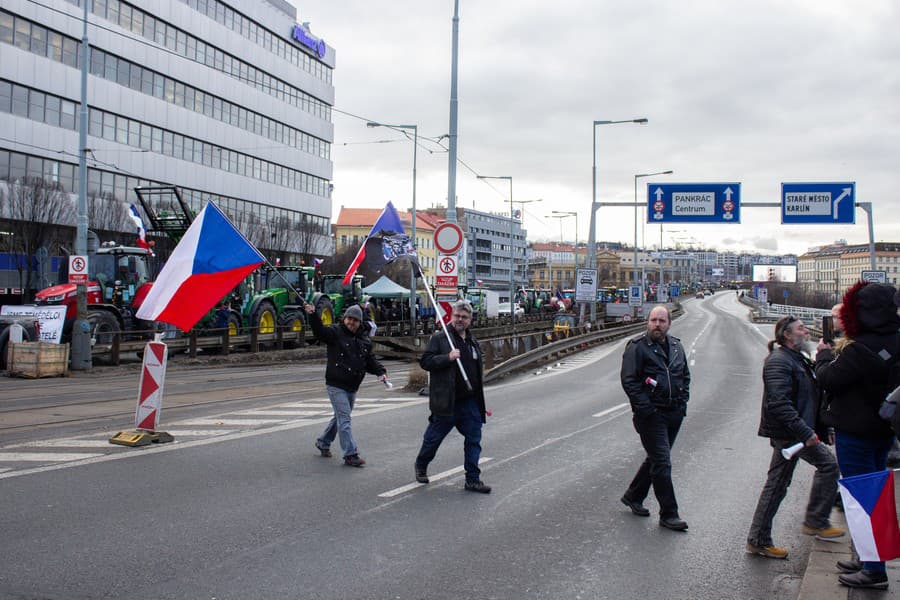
{"x": 790, "y": 406}
{"x": 451, "y": 401}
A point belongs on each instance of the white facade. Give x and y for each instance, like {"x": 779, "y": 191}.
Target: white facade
{"x": 213, "y": 97}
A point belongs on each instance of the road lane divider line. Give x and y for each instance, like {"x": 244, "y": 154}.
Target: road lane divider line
{"x": 45, "y": 456}
{"x": 603, "y": 413}
{"x": 431, "y": 479}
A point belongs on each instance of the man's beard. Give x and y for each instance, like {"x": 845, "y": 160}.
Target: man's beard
{"x": 656, "y": 335}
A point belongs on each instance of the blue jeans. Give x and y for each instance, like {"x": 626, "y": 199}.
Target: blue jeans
{"x": 857, "y": 456}
{"x": 342, "y": 402}
{"x": 658, "y": 432}
{"x": 467, "y": 420}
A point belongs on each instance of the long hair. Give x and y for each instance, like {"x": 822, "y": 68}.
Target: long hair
{"x": 781, "y": 327}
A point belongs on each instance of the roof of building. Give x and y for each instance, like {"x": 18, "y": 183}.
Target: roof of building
{"x": 366, "y": 217}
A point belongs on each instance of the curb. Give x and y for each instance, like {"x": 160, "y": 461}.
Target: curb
{"x": 820, "y": 579}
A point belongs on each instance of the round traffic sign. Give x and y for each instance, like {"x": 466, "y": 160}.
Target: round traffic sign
{"x": 448, "y": 238}
{"x": 447, "y": 264}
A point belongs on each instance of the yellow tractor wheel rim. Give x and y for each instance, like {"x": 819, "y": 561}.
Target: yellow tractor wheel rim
{"x": 267, "y": 322}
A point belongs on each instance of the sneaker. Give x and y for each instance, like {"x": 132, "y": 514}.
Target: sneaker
{"x": 865, "y": 579}
{"x": 767, "y": 551}
{"x": 673, "y": 523}
{"x": 849, "y": 566}
{"x": 824, "y": 533}
{"x": 354, "y": 460}
{"x": 421, "y": 475}
{"x": 478, "y": 486}
{"x": 636, "y": 507}
{"x": 323, "y": 451}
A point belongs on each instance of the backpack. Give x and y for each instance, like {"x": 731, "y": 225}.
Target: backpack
{"x": 888, "y": 410}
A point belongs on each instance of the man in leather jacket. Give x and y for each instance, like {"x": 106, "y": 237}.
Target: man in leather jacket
{"x": 656, "y": 378}
{"x": 790, "y": 408}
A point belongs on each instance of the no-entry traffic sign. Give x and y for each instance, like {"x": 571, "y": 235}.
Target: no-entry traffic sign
{"x": 448, "y": 238}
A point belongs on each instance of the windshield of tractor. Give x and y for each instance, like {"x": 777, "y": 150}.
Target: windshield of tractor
{"x": 294, "y": 278}
{"x": 333, "y": 285}
{"x": 109, "y": 268}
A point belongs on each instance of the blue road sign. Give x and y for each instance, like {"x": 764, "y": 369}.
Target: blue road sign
{"x": 694, "y": 203}
{"x": 818, "y": 202}
{"x": 673, "y": 291}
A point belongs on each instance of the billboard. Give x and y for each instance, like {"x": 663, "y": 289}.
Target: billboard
{"x": 780, "y": 273}
{"x": 718, "y": 271}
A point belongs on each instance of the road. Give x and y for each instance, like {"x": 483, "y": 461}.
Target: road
{"x": 241, "y": 505}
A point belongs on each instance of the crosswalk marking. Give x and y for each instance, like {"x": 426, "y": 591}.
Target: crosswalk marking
{"x": 289, "y": 412}
{"x": 45, "y": 456}
{"x": 226, "y": 421}
{"x": 187, "y": 433}
{"x": 62, "y": 443}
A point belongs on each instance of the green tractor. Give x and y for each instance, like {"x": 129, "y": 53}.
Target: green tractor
{"x": 275, "y": 303}
{"x": 340, "y": 296}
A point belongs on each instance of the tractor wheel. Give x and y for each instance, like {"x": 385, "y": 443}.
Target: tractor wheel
{"x": 4, "y": 344}
{"x": 103, "y": 327}
{"x": 291, "y": 322}
{"x": 234, "y": 325}
{"x": 264, "y": 318}
{"x": 325, "y": 310}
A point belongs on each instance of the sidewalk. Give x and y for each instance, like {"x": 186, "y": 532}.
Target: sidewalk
{"x": 820, "y": 580}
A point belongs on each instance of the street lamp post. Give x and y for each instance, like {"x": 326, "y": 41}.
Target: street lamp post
{"x": 559, "y": 214}
{"x": 636, "y": 219}
{"x": 592, "y": 234}
{"x": 512, "y": 250}
{"x": 412, "y": 273}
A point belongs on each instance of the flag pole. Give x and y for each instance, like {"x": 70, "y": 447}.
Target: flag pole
{"x": 462, "y": 370}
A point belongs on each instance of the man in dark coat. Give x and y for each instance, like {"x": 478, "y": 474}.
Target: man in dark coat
{"x": 349, "y": 358}
{"x": 858, "y": 375}
{"x": 656, "y": 377}
{"x": 451, "y": 401}
{"x": 790, "y": 407}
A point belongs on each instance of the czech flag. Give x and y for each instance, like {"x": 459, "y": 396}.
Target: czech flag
{"x": 872, "y": 515}
{"x": 139, "y": 223}
{"x": 388, "y": 221}
{"x": 210, "y": 259}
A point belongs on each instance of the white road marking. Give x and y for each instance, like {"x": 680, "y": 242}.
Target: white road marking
{"x": 45, "y": 456}
{"x": 5, "y": 469}
{"x": 226, "y": 422}
{"x": 431, "y": 478}
{"x": 603, "y": 413}
{"x": 176, "y": 433}
{"x": 288, "y": 412}
{"x": 159, "y": 448}
{"x": 63, "y": 443}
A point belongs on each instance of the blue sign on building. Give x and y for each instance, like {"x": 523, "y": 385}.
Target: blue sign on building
{"x": 818, "y": 202}
{"x": 694, "y": 203}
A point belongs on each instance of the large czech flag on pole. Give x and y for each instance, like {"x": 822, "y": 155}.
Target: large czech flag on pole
{"x": 389, "y": 220}
{"x": 872, "y": 515}
{"x": 210, "y": 259}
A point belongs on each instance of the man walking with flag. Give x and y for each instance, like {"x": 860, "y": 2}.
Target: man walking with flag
{"x": 456, "y": 398}
{"x": 349, "y": 358}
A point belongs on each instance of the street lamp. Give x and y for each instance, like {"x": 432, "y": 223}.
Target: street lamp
{"x": 512, "y": 252}
{"x": 636, "y": 218}
{"x": 412, "y": 270}
{"x": 559, "y": 214}
{"x": 592, "y": 235}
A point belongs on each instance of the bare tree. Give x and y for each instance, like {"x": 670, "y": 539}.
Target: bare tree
{"x": 109, "y": 215}
{"x": 253, "y": 228}
{"x": 35, "y": 209}
{"x": 303, "y": 238}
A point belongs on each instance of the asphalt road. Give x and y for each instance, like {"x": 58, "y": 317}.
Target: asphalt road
{"x": 242, "y": 506}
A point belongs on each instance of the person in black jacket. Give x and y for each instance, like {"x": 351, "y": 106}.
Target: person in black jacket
{"x": 450, "y": 400}
{"x": 857, "y": 380}
{"x": 790, "y": 406}
{"x": 656, "y": 377}
{"x": 349, "y": 358}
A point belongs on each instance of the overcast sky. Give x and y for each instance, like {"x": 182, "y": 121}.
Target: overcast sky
{"x": 758, "y": 93}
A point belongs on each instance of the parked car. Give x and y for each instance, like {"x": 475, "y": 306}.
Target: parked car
{"x": 699, "y": 295}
